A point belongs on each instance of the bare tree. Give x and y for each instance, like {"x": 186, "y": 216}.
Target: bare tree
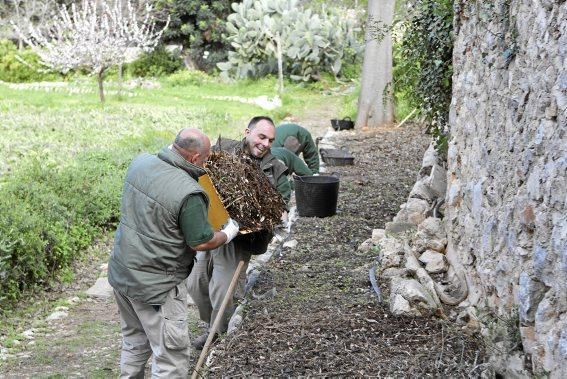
{"x": 94, "y": 37}
{"x": 375, "y": 105}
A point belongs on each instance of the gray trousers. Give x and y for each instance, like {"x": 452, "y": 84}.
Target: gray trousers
{"x": 162, "y": 331}
{"x": 210, "y": 278}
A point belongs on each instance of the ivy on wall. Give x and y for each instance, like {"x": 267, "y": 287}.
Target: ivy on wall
{"x": 423, "y": 62}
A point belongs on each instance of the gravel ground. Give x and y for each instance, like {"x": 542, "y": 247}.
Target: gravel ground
{"x": 325, "y": 320}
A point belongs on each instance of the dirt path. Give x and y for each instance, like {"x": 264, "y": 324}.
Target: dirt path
{"x": 324, "y": 319}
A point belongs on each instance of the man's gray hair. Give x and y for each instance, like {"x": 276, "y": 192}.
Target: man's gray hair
{"x": 190, "y": 142}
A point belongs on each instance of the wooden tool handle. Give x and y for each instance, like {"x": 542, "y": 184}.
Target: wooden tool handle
{"x": 218, "y": 320}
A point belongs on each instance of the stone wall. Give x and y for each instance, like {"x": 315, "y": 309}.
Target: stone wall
{"x": 506, "y": 216}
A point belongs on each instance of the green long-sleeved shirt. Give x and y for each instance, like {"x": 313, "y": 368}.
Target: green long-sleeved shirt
{"x": 307, "y": 145}
{"x": 295, "y": 165}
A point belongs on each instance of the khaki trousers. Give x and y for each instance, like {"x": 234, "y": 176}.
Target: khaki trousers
{"x": 209, "y": 281}
{"x": 161, "y": 330}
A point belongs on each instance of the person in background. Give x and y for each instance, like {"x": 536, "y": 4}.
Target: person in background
{"x": 163, "y": 223}
{"x": 295, "y": 165}
{"x": 213, "y": 272}
{"x": 298, "y": 140}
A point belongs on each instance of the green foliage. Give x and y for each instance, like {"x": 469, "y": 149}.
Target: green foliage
{"x": 199, "y": 26}
{"x": 185, "y": 78}
{"x": 48, "y": 213}
{"x": 159, "y": 62}
{"x": 311, "y": 43}
{"x": 423, "y": 63}
{"x": 21, "y": 65}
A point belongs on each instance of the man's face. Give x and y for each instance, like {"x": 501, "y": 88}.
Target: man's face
{"x": 260, "y": 138}
{"x": 201, "y": 158}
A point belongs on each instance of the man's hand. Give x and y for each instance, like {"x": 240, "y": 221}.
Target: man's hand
{"x": 231, "y": 229}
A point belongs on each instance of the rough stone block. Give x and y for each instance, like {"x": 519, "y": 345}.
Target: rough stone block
{"x": 530, "y": 293}
{"x": 378, "y": 235}
{"x": 101, "y": 289}
{"x": 437, "y": 181}
{"x": 434, "y": 262}
{"x": 395, "y": 228}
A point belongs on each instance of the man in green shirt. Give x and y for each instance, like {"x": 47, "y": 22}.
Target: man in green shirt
{"x": 211, "y": 277}
{"x": 298, "y": 140}
{"x": 163, "y": 223}
{"x": 295, "y": 165}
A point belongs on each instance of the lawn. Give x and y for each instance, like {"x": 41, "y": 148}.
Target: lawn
{"x": 56, "y": 123}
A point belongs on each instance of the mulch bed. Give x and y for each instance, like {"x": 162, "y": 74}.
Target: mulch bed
{"x": 325, "y": 319}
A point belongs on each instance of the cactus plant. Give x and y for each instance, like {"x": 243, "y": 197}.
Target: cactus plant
{"x": 310, "y": 43}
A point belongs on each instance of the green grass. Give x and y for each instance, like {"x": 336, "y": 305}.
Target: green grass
{"x": 56, "y": 125}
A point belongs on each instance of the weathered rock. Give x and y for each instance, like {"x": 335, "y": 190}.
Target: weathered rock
{"x": 56, "y": 316}
{"x": 434, "y": 262}
{"x": 378, "y": 235}
{"x": 429, "y": 160}
{"x": 422, "y": 191}
{"x": 432, "y": 228}
{"x": 436, "y": 245}
{"x": 529, "y": 296}
{"x": 366, "y": 246}
{"x": 394, "y": 271}
{"x": 290, "y": 244}
{"x": 391, "y": 252}
{"x": 437, "y": 181}
{"x": 394, "y": 228}
{"x": 101, "y": 289}
{"x": 412, "y": 291}
{"x": 400, "y": 306}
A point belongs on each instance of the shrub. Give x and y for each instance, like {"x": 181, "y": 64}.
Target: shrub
{"x": 186, "y": 77}
{"x": 48, "y": 213}
{"x": 18, "y": 66}
{"x": 159, "y": 62}
{"x": 199, "y": 26}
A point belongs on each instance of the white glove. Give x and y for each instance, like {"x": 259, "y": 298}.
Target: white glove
{"x": 230, "y": 229}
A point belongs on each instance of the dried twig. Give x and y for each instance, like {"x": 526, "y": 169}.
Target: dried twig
{"x": 257, "y": 204}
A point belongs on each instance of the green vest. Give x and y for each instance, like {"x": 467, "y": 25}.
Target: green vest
{"x": 150, "y": 255}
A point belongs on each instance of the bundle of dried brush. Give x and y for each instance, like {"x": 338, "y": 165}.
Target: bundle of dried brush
{"x": 245, "y": 191}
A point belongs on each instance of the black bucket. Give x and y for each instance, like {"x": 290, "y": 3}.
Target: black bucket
{"x": 344, "y": 124}
{"x": 316, "y": 196}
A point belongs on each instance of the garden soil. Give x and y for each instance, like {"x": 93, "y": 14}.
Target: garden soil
{"x": 312, "y": 312}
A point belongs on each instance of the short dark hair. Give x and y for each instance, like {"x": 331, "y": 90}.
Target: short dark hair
{"x": 257, "y": 119}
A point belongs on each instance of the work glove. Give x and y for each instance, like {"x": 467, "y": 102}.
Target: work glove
{"x": 230, "y": 229}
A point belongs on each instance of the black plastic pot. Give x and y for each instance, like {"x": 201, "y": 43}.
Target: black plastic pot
{"x": 344, "y": 124}
{"x": 316, "y": 196}
{"x": 336, "y": 157}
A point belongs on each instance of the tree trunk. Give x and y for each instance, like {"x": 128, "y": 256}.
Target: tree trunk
{"x": 375, "y": 103}
{"x": 120, "y": 77}
{"x": 100, "y": 77}
{"x": 280, "y": 63}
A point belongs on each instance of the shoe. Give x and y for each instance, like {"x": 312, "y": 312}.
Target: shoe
{"x": 199, "y": 342}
